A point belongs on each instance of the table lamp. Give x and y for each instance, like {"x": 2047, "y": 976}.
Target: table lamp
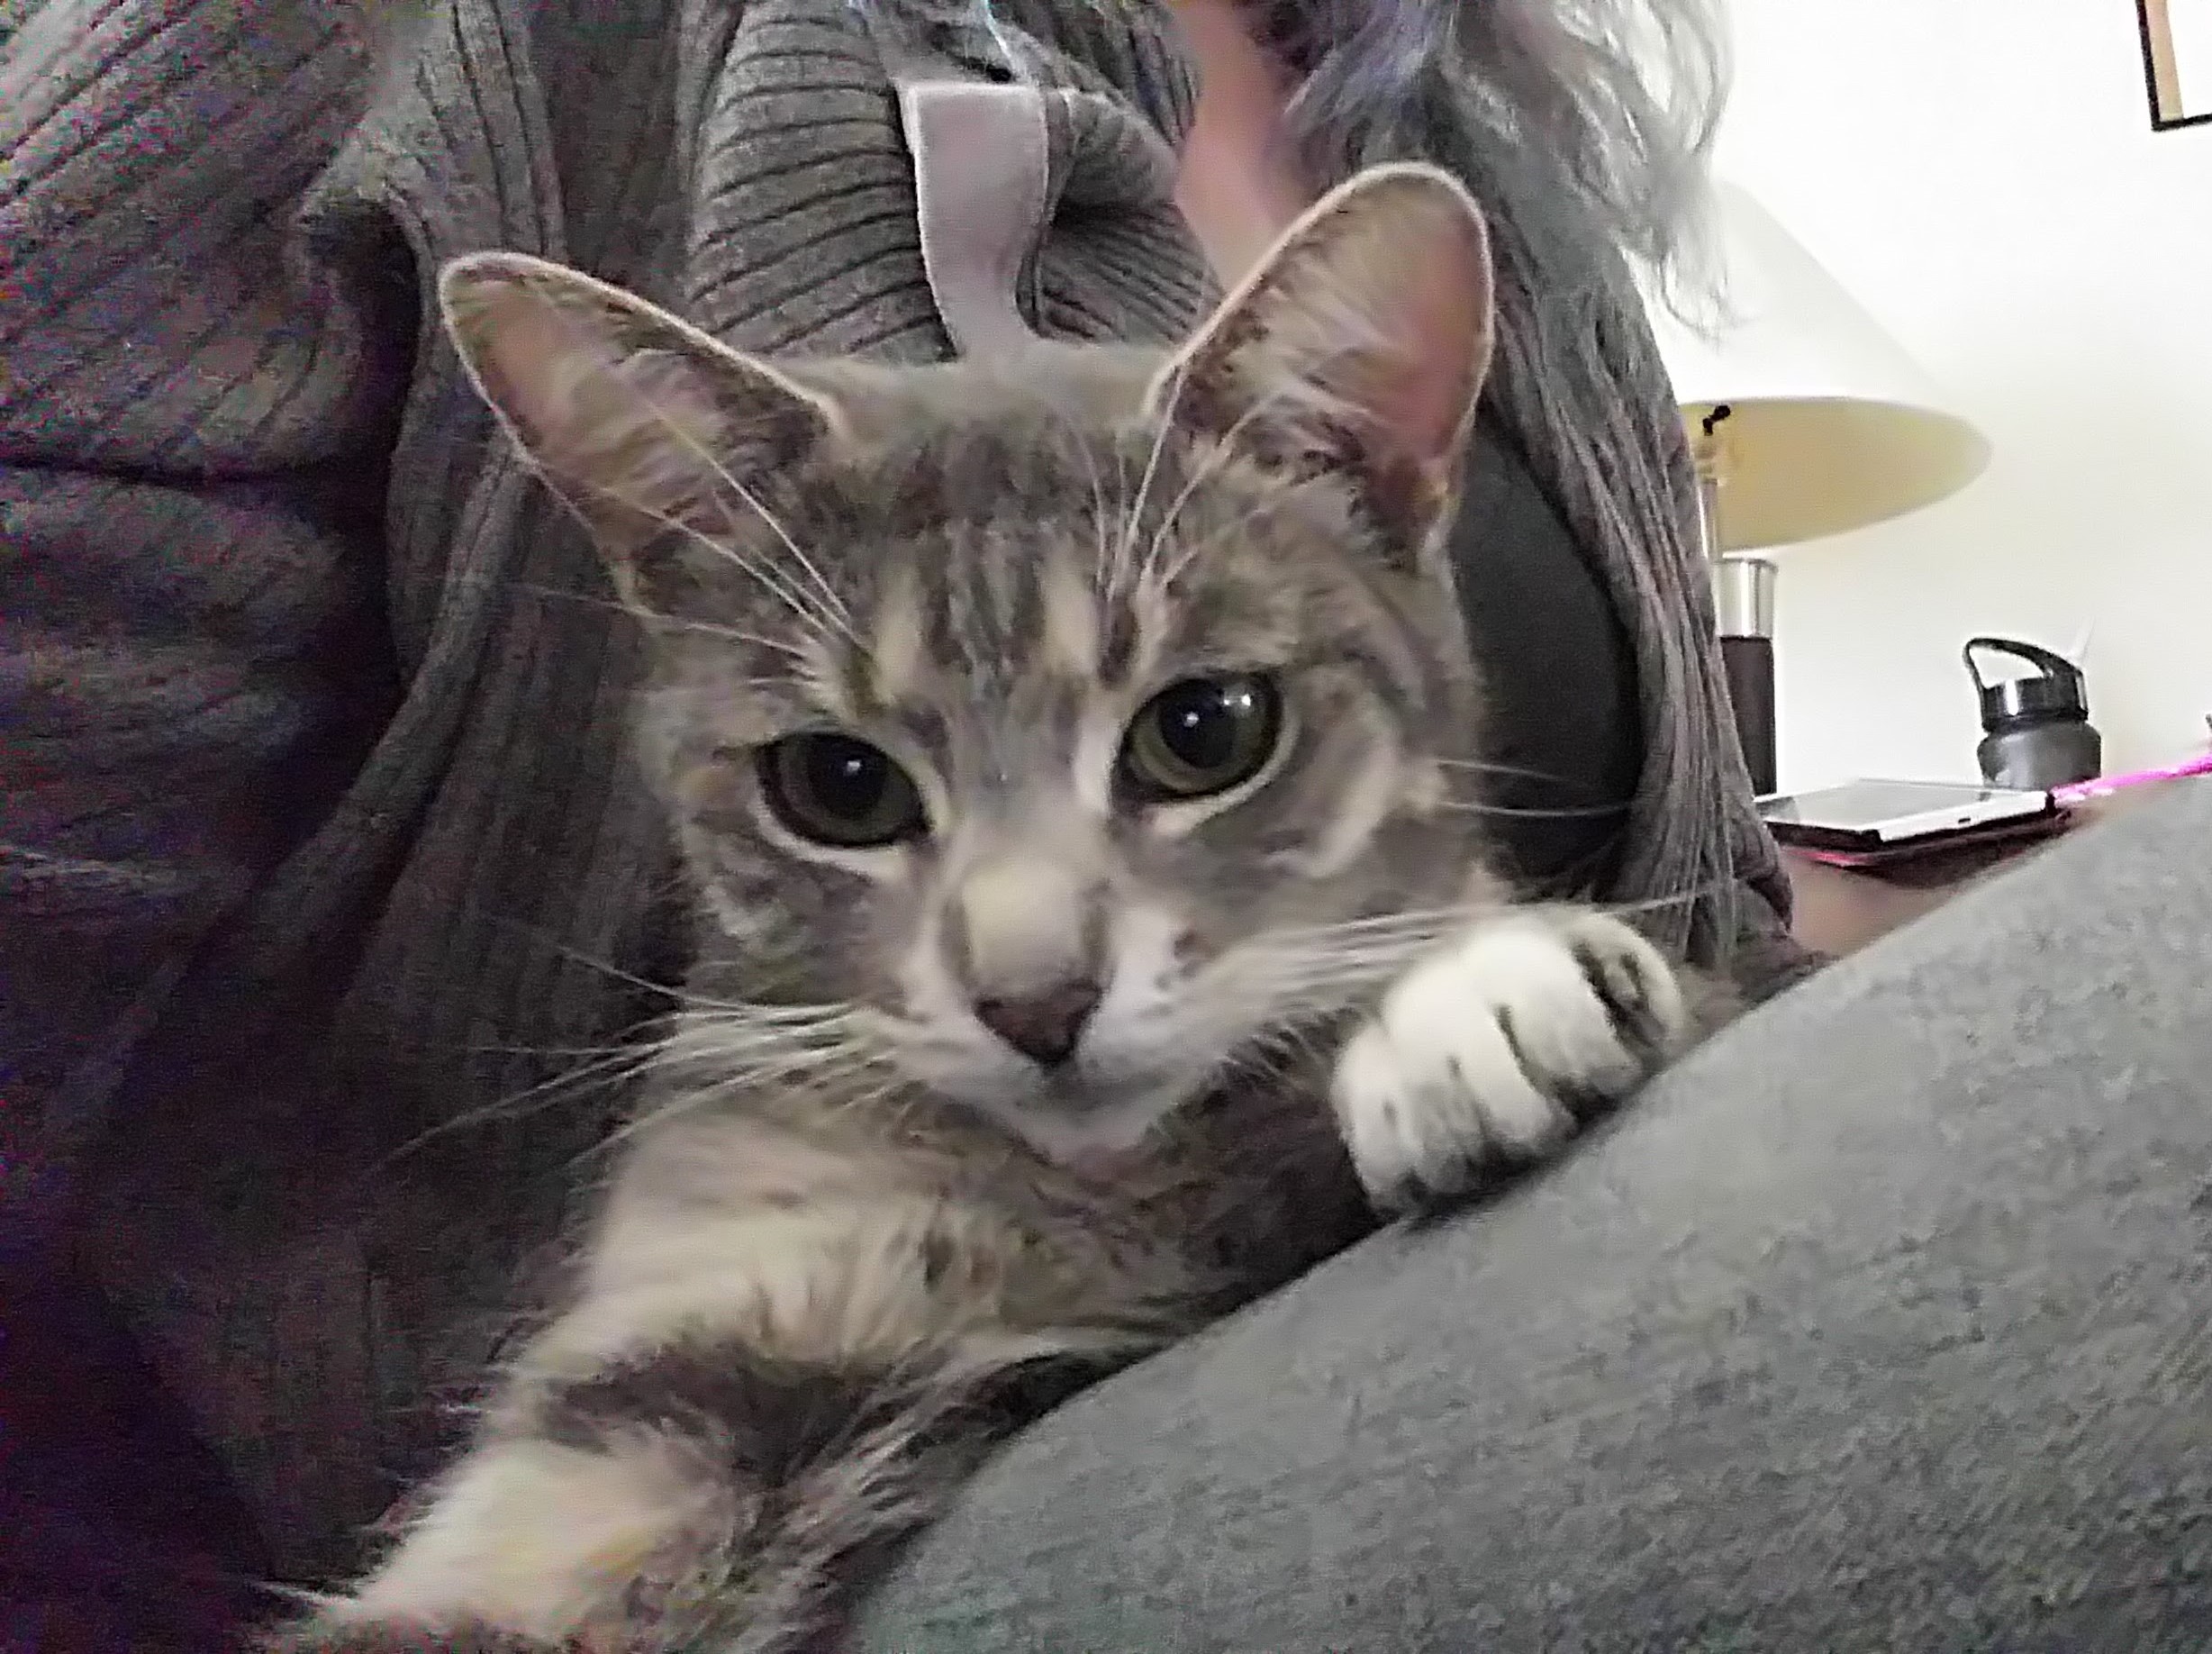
{"x": 1805, "y": 419}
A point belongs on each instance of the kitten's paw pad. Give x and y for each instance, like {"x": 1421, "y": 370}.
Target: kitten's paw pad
{"x": 1491, "y": 1052}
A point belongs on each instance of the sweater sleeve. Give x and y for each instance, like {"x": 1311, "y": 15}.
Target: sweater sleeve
{"x": 187, "y": 552}
{"x": 192, "y": 409}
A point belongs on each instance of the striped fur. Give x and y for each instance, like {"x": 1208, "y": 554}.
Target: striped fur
{"x": 855, "y": 1238}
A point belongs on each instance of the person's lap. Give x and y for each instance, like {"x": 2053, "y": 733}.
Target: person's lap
{"x": 1878, "y": 1324}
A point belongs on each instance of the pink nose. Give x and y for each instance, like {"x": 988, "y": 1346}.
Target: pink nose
{"x": 1043, "y": 1027}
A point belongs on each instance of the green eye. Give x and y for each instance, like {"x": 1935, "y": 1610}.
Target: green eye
{"x": 1201, "y": 736}
{"x": 834, "y": 789}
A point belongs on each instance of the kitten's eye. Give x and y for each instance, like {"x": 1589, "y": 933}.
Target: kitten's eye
{"x": 1200, "y": 736}
{"x": 834, "y": 789}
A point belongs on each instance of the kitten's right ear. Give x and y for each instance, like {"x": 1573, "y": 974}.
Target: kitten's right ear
{"x": 639, "y": 421}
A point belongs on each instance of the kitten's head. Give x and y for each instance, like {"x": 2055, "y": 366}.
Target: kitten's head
{"x": 1075, "y": 726}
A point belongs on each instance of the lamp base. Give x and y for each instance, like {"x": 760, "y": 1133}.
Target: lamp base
{"x": 1750, "y": 663}
{"x": 1744, "y": 600}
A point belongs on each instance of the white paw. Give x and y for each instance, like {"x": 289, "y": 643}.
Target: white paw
{"x": 1493, "y": 1051}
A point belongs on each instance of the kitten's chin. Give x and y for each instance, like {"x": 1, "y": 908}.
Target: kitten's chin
{"x": 1093, "y": 1134}
{"x": 1081, "y": 1115}
{"x": 1085, "y": 1130}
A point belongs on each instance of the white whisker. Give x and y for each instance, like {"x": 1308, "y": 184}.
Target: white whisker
{"x": 1192, "y": 550}
{"x": 668, "y": 623}
{"x": 1457, "y": 913}
{"x": 1225, "y": 450}
{"x": 1490, "y": 767}
{"x": 760, "y": 1012}
{"x": 827, "y": 609}
{"x": 611, "y": 1068}
{"x": 832, "y": 603}
{"x": 1534, "y": 811}
{"x": 1676, "y": 899}
{"x": 1100, "y": 538}
{"x": 804, "y": 607}
{"x": 577, "y": 956}
{"x": 1306, "y": 384}
{"x": 874, "y": 1098}
{"x": 829, "y": 1047}
{"x": 1143, "y": 483}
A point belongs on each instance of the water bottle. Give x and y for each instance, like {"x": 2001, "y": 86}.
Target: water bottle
{"x": 2035, "y": 730}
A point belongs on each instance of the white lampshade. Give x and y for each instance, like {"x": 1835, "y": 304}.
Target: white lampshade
{"x": 1832, "y": 426}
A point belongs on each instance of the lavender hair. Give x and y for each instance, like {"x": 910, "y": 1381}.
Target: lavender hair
{"x": 1604, "y": 107}
{"x": 1594, "y": 117}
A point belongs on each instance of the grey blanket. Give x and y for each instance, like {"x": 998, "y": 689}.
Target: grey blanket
{"x": 317, "y": 840}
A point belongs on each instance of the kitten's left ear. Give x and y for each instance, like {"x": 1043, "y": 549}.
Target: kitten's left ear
{"x": 655, "y": 433}
{"x": 1363, "y": 340}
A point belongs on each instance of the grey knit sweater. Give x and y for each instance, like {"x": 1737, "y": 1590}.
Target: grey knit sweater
{"x": 319, "y": 854}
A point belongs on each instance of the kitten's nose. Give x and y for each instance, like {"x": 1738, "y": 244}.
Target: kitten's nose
{"x": 1043, "y": 1027}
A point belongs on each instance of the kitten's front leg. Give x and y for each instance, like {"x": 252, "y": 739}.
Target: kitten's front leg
{"x": 705, "y": 1495}
{"x": 716, "y": 1462}
{"x": 1490, "y": 1052}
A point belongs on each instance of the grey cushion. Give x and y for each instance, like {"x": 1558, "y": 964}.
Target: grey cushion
{"x": 1880, "y": 1324}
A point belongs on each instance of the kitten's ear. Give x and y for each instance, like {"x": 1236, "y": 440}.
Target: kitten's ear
{"x": 1361, "y": 340}
{"x": 639, "y": 421}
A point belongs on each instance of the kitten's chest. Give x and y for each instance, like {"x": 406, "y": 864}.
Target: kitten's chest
{"x": 1248, "y": 1190}
{"x": 1274, "y": 1191}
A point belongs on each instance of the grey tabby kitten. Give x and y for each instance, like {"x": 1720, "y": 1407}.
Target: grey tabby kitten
{"x": 1073, "y": 759}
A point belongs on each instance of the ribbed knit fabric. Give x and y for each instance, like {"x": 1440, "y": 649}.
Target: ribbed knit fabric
{"x": 319, "y": 844}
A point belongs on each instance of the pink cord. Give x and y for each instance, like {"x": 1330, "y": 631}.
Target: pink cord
{"x": 2100, "y": 785}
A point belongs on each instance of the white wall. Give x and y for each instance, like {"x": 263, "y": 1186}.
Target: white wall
{"x": 1982, "y": 175}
